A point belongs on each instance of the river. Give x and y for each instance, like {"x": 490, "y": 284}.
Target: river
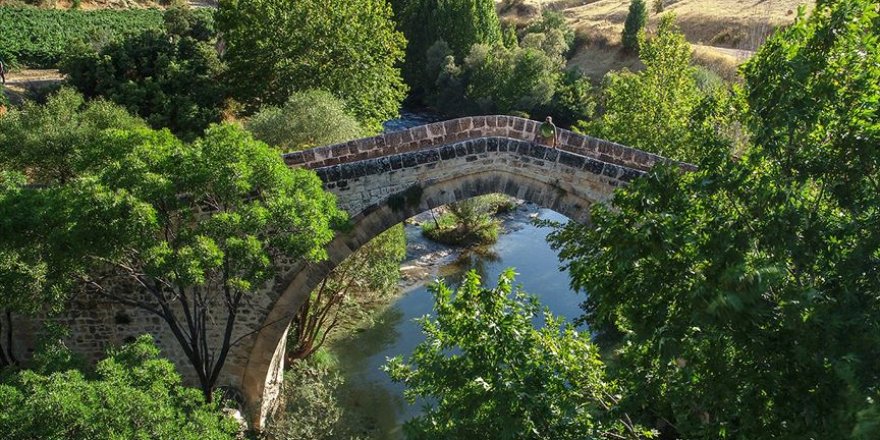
{"x": 523, "y": 246}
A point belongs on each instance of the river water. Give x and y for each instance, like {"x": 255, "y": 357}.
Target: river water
{"x": 523, "y": 246}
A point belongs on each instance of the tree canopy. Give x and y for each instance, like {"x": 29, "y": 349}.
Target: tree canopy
{"x": 460, "y": 23}
{"x": 312, "y": 118}
{"x": 745, "y": 294}
{"x": 486, "y": 371}
{"x": 171, "y": 78}
{"x": 349, "y": 48}
{"x": 193, "y": 228}
{"x": 132, "y": 393}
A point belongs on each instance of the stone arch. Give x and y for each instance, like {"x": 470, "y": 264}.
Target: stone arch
{"x": 382, "y": 196}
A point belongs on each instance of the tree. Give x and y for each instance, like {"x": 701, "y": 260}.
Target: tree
{"x": 348, "y": 48}
{"x": 371, "y": 271}
{"x": 170, "y": 78}
{"x": 634, "y": 25}
{"x": 308, "y": 119}
{"x": 48, "y": 141}
{"x": 521, "y": 76}
{"x": 746, "y": 292}
{"x": 657, "y": 109}
{"x": 552, "y": 22}
{"x": 133, "y": 393}
{"x": 487, "y": 372}
{"x": 460, "y": 23}
{"x": 192, "y": 230}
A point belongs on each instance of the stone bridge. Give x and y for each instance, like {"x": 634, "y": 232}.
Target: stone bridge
{"x": 382, "y": 181}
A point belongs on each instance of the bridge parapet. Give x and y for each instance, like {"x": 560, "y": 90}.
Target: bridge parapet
{"x": 456, "y": 130}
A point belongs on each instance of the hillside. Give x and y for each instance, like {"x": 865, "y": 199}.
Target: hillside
{"x": 724, "y": 32}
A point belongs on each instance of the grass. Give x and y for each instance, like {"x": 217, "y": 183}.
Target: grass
{"x": 723, "y": 32}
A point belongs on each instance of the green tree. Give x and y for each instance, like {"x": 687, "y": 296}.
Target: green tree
{"x": 48, "y": 142}
{"x": 308, "y": 119}
{"x": 501, "y": 80}
{"x": 488, "y": 372}
{"x": 634, "y": 25}
{"x": 349, "y": 48}
{"x": 656, "y": 109}
{"x": 170, "y": 78}
{"x": 552, "y": 22}
{"x": 370, "y": 272}
{"x": 460, "y": 23}
{"x": 133, "y": 393}
{"x": 746, "y": 292}
{"x": 194, "y": 229}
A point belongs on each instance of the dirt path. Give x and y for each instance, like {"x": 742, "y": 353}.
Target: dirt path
{"x": 19, "y": 83}
{"x": 739, "y": 54}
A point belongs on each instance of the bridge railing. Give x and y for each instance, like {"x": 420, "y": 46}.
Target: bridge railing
{"x": 462, "y": 129}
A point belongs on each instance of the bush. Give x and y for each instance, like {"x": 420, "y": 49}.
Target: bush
{"x": 50, "y": 140}
{"x": 40, "y": 37}
{"x": 133, "y": 393}
{"x": 308, "y": 119}
{"x": 171, "y": 79}
{"x": 312, "y": 410}
{"x": 469, "y": 222}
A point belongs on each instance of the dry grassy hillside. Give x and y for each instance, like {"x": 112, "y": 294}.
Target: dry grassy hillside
{"x": 723, "y": 32}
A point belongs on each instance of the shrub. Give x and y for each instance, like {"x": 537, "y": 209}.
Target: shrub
{"x": 469, "y": 222}
{"x": 308, "y": 119}
{"x": 133, "y": 393}
{"x": 171, "y": 79}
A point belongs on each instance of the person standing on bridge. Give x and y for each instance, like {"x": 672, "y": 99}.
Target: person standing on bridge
{"x": 547, "y": 134}
{"x": 3, "y": 71}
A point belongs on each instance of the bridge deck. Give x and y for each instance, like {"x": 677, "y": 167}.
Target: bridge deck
{"x": 468, "y": 128}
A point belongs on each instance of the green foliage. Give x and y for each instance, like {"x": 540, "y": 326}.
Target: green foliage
{"x": 347, "y": 47}
{"x": 313, "y": 409}
{"x": 495, "y": 79}
{"x": 487, "y": 372}
{"x": 523, "y": 76}
{"x": 214, "y": 217}
{"x": 746, "y": 292}
{"x": 460, "y": 23}
{"x": 133, "y": 393}
{"x": 41, "y": 37}
{"x": 470, "y": 221}
{"x": 308, "y": 119}
{"x": 344, "y": 297}
{"x": 574, "y": 100}
{"x": 4, "y": 100}
{"x": 50, "y": 142}
{"x": 658, "y": 109}
{"x": 552, "y": 22}
{"x": 171, "y": 79}
{"x": 634, "y": 25}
